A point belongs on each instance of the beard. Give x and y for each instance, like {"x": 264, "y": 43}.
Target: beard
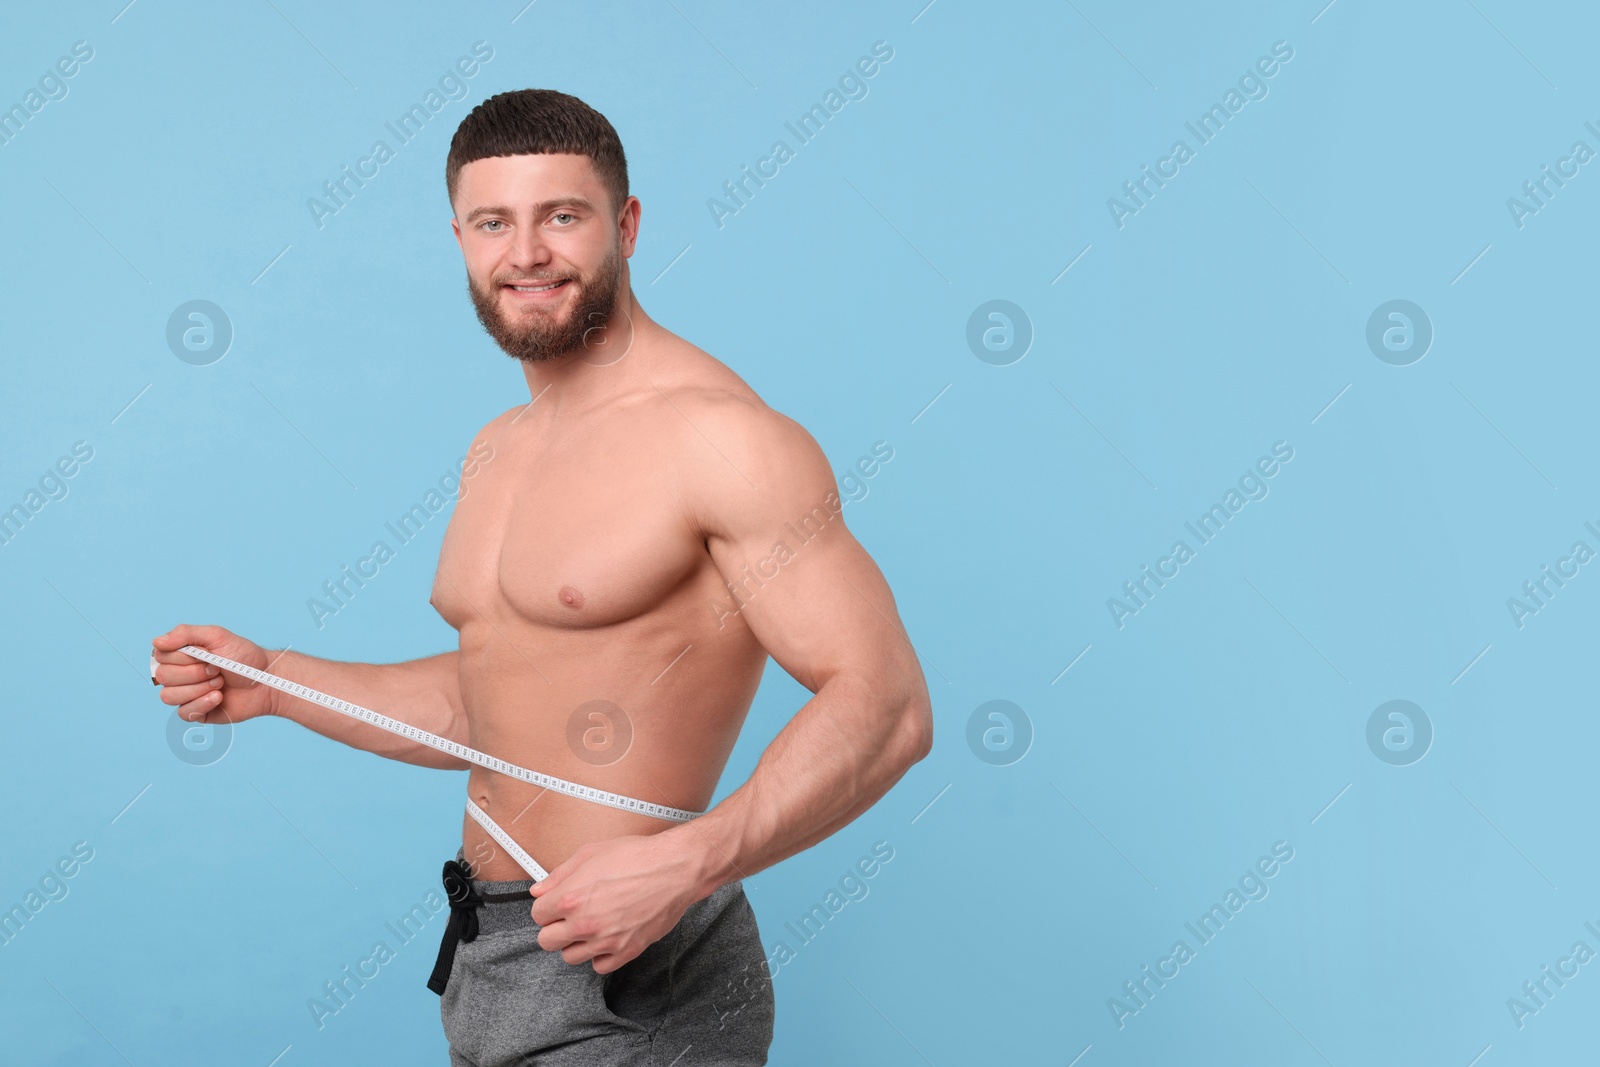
{"x": 537, "y": 336}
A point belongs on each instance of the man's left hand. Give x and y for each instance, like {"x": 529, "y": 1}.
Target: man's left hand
{"x": 610, "y": 900}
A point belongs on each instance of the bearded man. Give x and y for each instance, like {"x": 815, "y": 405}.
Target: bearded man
{"x": 647, "y": 534}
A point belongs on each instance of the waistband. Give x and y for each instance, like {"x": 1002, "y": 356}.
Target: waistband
{"x": 481, "y": 906}
{"x": 477, "y": 907}
{"x": 496, "y": 914}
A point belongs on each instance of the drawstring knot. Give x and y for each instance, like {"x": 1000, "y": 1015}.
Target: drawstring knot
{"x": 463, "y": 923}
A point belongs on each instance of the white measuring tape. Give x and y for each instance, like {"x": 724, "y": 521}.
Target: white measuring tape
{"x": 454, "y": 748}
{"x": 507, "y": 842}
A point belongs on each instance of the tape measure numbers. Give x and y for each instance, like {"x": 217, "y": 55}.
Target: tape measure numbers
{"x": 453, "y": 748}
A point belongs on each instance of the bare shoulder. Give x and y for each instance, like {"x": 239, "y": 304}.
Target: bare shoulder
{"x": 493, "y": 427}
{"x": 737, "y": 456}
{"x": 492, "y": 434}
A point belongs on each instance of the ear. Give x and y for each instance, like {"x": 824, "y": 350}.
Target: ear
{"x": 628, "y": 224}
{"x": 455, "y": 228}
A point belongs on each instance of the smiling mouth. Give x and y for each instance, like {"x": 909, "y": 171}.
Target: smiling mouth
{"x": 542, "y": 287}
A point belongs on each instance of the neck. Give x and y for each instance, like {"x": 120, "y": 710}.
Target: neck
{"x": 610, "y": 361}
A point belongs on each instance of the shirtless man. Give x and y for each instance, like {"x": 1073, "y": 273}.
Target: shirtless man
{"x": 646, "y": 533}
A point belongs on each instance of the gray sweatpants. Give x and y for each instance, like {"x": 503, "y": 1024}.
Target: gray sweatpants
{"x": 699, "y": 997}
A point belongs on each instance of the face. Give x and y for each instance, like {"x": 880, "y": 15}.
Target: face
{"x": 543, "y": 251}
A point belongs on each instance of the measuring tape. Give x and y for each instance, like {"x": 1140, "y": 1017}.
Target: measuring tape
{"x": 454, "y": 748}
{"x": 507, "y": 842}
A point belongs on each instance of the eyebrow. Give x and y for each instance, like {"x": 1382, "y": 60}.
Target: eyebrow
{"x": 541, "y": 208}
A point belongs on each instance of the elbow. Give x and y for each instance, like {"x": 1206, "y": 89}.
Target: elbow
{"x": 916, "y": 731}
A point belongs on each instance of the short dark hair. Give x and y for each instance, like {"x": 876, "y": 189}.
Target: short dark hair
{"x": 536, "y": 121}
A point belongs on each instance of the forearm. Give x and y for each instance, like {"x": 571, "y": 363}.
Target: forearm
{"x": 840, "y": 753}
{"x": 424, "y": 693}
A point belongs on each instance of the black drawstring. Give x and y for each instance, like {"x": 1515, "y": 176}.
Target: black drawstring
{"x": 463, "y": 924}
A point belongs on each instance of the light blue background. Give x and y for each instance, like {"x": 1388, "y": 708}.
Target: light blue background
{"x": 1228, "y": 314}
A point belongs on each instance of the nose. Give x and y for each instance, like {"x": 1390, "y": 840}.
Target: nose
{"x": 528, "y": 250}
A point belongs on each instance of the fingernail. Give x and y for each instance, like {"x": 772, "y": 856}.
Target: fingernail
{"x": 211, "y": 671}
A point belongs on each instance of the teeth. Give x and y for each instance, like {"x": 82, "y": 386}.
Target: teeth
{"x": 535, "y": 289}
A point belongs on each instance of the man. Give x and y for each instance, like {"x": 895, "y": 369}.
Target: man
{"x": 642, "y": 536}
{"x": 644, "y": 533}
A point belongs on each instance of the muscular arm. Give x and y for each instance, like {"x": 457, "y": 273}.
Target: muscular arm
{"x": 828, "y": 618}
{"x": 425, "y": 693}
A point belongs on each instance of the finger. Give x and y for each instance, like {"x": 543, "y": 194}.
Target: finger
{"x": 167, "y": 644}
{"x": 545, "y": 887}
{"x": 184, "y": 673}
{"x": 555, "y": 877}
{"x": 577, "y": 953}
{"x": 555, "y": 936}
{"x": 183, "y": 694}
{"x": 196, "y": 710}
{"x": 546, "y": 911}
{"x": 179, "y": 658}
{"x": 172, "y": 657}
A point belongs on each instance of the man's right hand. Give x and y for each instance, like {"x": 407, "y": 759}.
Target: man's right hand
{"x": 200, "y": 689}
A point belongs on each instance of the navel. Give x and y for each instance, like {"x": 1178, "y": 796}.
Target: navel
{"x": 570, "y": 597}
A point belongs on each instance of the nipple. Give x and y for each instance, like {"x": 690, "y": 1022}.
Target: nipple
{"x": 570, "y": 597}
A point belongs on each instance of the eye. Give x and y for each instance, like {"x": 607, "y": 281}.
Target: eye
{"x": 486, "y": 223}
{"x": 564, "y": 215}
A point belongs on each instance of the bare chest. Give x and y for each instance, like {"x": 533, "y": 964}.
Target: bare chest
{"x": 572, "y": 536}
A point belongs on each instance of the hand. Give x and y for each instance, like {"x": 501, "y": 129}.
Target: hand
{"x": 610, "y": 900}
{"x": 202, "y": 690}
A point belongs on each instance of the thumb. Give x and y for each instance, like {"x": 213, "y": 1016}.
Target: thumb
{"x": 211, "y": 638}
